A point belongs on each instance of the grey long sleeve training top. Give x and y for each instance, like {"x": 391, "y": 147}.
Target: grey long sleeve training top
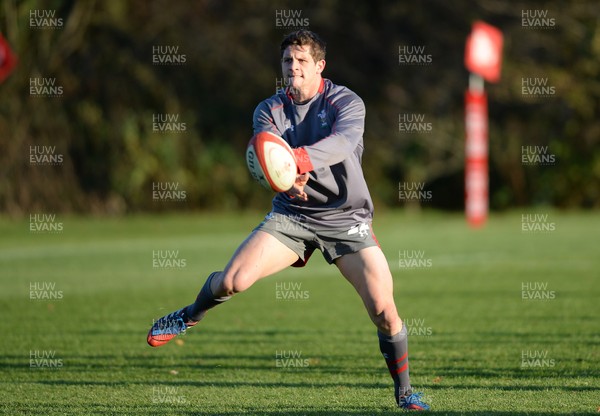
{"x": 326, "y": 134}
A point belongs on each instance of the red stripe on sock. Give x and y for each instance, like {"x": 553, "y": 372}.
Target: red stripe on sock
{"x": 403, "y": 368}
{"x": 399, "y": 359}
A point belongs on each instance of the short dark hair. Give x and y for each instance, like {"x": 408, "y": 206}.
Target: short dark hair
{"x": 302, "y": 37}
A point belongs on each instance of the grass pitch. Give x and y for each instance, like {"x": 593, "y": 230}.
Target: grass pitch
{"x": 502, "y": 321}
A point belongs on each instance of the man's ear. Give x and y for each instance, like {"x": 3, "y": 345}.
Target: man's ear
{"x": 320, "y": 66}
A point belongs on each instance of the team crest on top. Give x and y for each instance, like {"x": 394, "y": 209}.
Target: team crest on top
{"x": 323, "y": 117}
{"x": 288, "y": 126}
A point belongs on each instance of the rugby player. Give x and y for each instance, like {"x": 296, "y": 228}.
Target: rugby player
{"x": 329, "y": 208}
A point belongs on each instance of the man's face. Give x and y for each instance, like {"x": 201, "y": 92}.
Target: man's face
{"x": 299, "y": 69}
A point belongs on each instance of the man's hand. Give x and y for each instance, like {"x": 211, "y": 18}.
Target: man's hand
{"x": 297, "y": 191}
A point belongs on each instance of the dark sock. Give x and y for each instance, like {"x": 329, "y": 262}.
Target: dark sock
{"x": 204, "y": 301}
{"x": 395, "y": 352}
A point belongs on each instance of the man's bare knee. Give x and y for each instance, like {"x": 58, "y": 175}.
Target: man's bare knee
{"x": 387, "y": 321}
{"x": 236, "y": 282}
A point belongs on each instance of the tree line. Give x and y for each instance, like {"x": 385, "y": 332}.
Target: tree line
{"x": 119, "y": 107}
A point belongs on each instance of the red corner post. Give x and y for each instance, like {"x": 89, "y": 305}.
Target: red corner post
{"x": 483, "y": 58}
{"x": 476, "y": 152}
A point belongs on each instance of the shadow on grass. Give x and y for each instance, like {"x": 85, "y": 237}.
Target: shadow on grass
{"x": 238, "y": 384}
{"x": 150, "y": 363}
{"x": 148, "y": 409}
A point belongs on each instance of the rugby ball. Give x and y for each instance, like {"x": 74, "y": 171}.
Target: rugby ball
{"x": 271, "y": 161}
